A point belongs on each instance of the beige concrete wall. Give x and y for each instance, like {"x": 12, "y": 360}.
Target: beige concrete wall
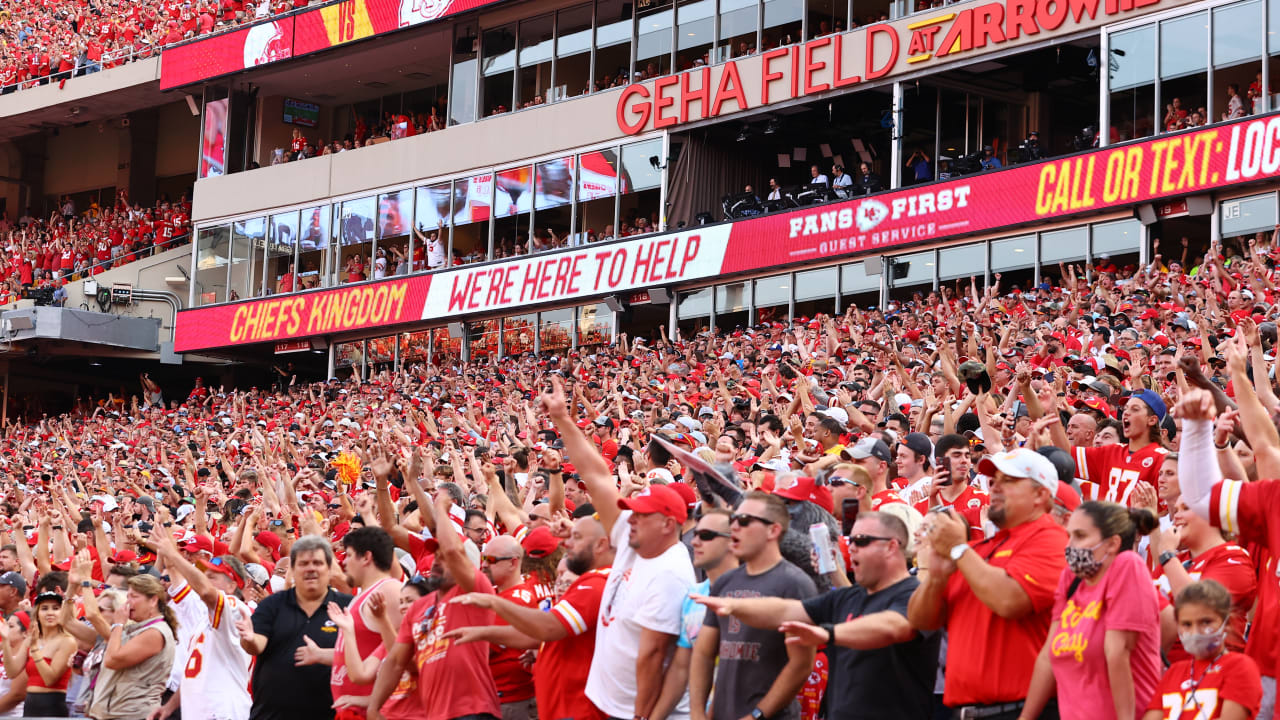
{"x": 497, "y": 140}
{"x": 146, "y": 274}
{"x": 83, "y": 158}
{"x": 82, "y": 88}
{"x": 178, "y": 141}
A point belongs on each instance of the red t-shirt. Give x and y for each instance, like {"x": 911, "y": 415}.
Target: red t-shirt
{"x": 885, "y": 497}
{"x": 968, "y": 504}
{"x": 1198, "y": 689}
{"x": 1245, "y": 508}
{"x": 1123, "y": 600}
{"x": 1231, "y": 566}
{"x": 560, "y": 675}
{"x": 1108, "y": 472}
{"x": 979, "y": 640}
{"x": 514, "y": 682}
{"x": 453, "y": 680}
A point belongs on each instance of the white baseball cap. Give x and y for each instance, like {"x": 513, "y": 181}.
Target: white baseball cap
{"x": 1022, "y": 463}
{"x": 838, "y": 413}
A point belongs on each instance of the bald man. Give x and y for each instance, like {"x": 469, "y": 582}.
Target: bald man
{"x": 501, "y": 562}
{"x": 1081, "y": 429}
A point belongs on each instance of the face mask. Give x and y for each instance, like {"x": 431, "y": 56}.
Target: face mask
{"x": 1082, "y": 561}
{"x": 1204, "y": 645}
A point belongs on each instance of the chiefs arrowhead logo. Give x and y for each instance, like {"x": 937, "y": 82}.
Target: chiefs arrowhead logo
{"x": 870, "y": 214}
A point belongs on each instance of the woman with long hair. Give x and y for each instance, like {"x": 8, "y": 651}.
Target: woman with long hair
{"x": 45, "y": 655}
{"x": 1102, "y": 653}
{"x": 139, "y": 655}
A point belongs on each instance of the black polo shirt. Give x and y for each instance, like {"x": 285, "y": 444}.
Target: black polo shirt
{"x": 281, "y": 690}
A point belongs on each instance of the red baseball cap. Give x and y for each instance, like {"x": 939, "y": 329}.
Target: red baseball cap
{"x": 1067, "y": 497}
{"x": 271, "y": 541}
{"x": 198, "y": 543}
{"x": 686, "y": 493}
{"x": 220, "y": 565}
{"x": 657, "y": 499}
{"x": 540, "y": 543}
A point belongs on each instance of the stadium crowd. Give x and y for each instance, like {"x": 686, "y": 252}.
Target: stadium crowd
{"x": 72, "y": 243}
{"x": 984, "y": 503}
{"x": 53, "y": 41}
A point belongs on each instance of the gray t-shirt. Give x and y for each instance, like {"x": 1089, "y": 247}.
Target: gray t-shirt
{"x": 750, "y": 658}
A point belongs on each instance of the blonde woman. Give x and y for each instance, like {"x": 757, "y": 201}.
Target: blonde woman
{"x": 139, "y": 654}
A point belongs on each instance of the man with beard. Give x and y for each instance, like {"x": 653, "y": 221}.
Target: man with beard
{"x": 501, "y": 561}
{"x": 277, "y": 632}
{"x": 453, "y": 681}
{"x": 370, "y": 557}
{"x": 567, "y": 634}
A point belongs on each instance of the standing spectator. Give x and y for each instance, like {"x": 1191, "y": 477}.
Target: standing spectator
{"x": 44, "y": 654}
{"x": 369, "y": 555}
{"x": 501, "y": 560}
{"x": 13, "y": 689}
{"x": 1109, "y": 472}
{"x": 757, "y": 672}
{"x": 711, "y": 555}
{"x": 290, "y": 634}
{"x": 640, "y": 617}
{"x": 1102, "y": 653}
{"x": 567, "y": 633}
{"x": 139, "y": 654}
{"x": 881, "y": 668}
{"x": 215, "y": 677}
{"x": 1226, "y": 681}
{"x": 994, "y": 598}
{"x": 453, "y": 680}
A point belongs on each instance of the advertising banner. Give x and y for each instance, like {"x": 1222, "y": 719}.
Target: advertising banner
{"x": 213, "y": 139}
{"x": 1153, "y": 170}
{"x": 230, "y": 52}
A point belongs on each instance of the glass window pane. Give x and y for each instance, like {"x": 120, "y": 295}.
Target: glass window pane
{"x": 1133, "y": 57}
{"x": 1013, "y": 253}
{"x": 357, "y": 229}
{"x": 536, "y": 42}
{"x": 556, "y": 331}
{"x": 349, "y": 355}
{"x": 595, "y": 325}
{"x": 513, "y": 196}
{"x": 213, "y": 250}
{"x": 432, "y": 206}
{"x": 638, "y": 172}
{"x": 597, "y": 174}
{"x": 413, "y": 347}
{"x": 854, "y": 278}
{"x": 774, "y": 290}
{"x": 431, "y": 241}
{"x": 518, "y": 333}
{"x": 733, "y": 305}
{"x": 313, "y": 250}
{"x": 284, "y": 238}
{"x": 962, "y": 262}
{"x": 782, "y": 22}
{"x": 484, "y": 338}
{"x": 472, "y": 200}
{"x": 912, "y": 270}
{"x": 1184, "y": 45}
{"x": 573, "y": 53}
{"x": 554, "y": 183}
{"x": 1116, "y": 237}
{"x": 696, "y": 33}
{"x": 817, "y": 284}
{"x": 1063, "y": 245}
{"x": 613, "y": 43}
{"x": 395, "y": 210}
{"x": 247, "y": 240}
{"x": 738, "y": 22}
{"x": 694, "y": 304}
{"x": 497, "y": 65}
{"x": 653, "y": 48}
{"x": 1248, "y": 215}
{"x": 462, "y": 87}
{"x": 1236, "y": 35}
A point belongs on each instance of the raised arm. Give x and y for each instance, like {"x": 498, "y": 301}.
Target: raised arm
{"x": 587, "y": 459}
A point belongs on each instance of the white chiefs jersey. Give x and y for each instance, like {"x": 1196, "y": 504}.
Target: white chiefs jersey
{"x": 193, "y": 615}
{"x": 215, "y": 676}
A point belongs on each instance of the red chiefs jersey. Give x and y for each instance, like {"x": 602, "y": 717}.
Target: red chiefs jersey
{"x": 1232, "y": 567}
{"x": 1108, "y": 472}
{"x": 561, "y": 671}
{"x": 1198, "y": 689}
{"x": 1245, "y": 508}
{"x": 968, "y": 504}
{"x": 885, "y": 497}
{"x": 513, "y": 680}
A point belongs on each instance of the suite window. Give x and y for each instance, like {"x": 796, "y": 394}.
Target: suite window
{"x": 573, "y": 53}
{"x": 595, "y": 326}
{"x": 553, "y": 204}
{"x": 395, "y": 225}
{"x": 641, "y": 188}
{"x": 816, "y": 291}
{"x": 613, "y": 44}
{"x": 462, "y": 88}
{"x": 537, "y": 38}
{"x": 247, "y": 239}
{"x": 497, "y": 66}
{"x": 513, "y": 200}
{"x": 431, "y": 226}
{"x": 653, "y": 41}
{"x": 695, "y": 35}
{"x": 556, "y": 331}
{"x": 281, "y": 248}
{"x": 213, "y": 253}
{"x": 596, "y": 180}
{"x": 1132, "y": 69}
{"x": 1237, "y": 59}
{"x": 313, "y": 247}
{"x": 739, "y": 23}
{"x": 472, "y": 206}
{"x": 1184, "y": 80}
{"x": 356, "y": 230}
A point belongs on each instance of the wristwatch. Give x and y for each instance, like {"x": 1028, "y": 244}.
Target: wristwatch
{"x": 830, "y": 630}
{"x": 86, "y": 584}
{"x": 1166, "y": 556}
{"x": 757, "y": 714}
{"x": 958, "y": 551}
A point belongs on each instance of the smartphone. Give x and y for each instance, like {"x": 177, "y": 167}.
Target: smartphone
{"x": 849, "y": 510}
{"x": 945, "y": 464}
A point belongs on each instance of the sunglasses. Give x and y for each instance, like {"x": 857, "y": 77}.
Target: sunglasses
{"x": 744, "y": 520}
{"x": 492, "y": 560}
{"x": 865, "y": 540}
{"x": 709, "y": 535}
